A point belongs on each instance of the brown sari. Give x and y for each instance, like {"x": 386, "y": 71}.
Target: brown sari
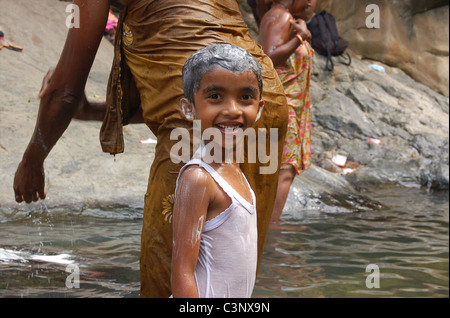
{"x": 158, "y": 36}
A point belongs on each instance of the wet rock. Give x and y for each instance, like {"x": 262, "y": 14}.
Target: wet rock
{"x": 320, "y": 190}
{"x": 356, "y": 104}
{"x": 412, "y": 35}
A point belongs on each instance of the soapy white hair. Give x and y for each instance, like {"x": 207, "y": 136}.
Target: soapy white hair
{"x": 227, "y": 56}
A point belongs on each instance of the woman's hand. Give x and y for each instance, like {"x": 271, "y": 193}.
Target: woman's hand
{"x": 300, "y": 27}
{"x": 29, "y": 182}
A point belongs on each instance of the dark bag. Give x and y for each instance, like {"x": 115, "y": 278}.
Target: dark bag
{"x": 325, "y": 38}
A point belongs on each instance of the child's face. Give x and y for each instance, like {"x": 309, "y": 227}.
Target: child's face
{"x": 227, "y": 101}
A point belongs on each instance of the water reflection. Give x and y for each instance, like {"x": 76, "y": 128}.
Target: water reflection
{"x": 319, "y": 252}
{"x": 104, "y": 243}
{"x": 328, "y": 254}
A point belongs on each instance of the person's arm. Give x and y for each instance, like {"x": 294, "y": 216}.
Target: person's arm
{"x": 189, "y": 216}
{"x": 94, "y": 111}
{"x": 61, "y": 99}
{"x": 301, "y": 28}
{"x": 277, "y": 35}
{"x": 262, "y": 6}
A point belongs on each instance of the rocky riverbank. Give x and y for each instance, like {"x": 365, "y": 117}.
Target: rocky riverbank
{"x": 350, "y": 106}
{"x": 390, "y": 128}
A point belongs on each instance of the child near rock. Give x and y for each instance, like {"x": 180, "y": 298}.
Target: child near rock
{"x": 285, "y": 38}
{"x": 214, "y": 216}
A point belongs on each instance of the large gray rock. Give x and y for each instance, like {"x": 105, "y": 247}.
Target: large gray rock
{"x": 357, "y": 103}
{"x": 413, "y": 35}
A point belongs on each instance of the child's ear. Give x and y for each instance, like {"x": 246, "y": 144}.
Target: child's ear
{"x": 187, "y": 108}
{"x": 261, "y": 107}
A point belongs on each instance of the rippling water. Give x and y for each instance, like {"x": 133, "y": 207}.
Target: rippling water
{"x": 322, "y": 252}
{"x": 325, "y": 254}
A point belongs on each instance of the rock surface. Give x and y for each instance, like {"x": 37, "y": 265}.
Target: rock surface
{"x": 349, "y": 106}
{"x": 357, "y": 104}
{"x": 413, "y": 35}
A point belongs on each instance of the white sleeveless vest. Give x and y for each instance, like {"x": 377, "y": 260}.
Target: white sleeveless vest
{"x": 227, "y": 260}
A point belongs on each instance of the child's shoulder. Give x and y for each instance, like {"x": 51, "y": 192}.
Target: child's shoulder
{"x": 193, "y": 181}
{"x": 196, "y": 175}
{"x": 277, "y": 12}
{"x": 274, "y": 17}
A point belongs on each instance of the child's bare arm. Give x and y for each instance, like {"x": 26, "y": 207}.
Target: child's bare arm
{"x": 189, "y": 215}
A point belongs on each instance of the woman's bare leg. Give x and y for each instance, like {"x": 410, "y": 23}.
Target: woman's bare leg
{"x": 284, "y": 185}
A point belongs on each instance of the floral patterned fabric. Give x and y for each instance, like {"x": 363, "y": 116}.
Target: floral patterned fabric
{"x": 296, "y": 78}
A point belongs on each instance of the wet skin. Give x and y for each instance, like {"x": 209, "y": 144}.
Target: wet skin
{"x": 279, "y": 26}
{"x": 224, "y": 99}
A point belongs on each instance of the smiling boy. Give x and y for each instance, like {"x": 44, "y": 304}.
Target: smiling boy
{"x": 214, "y": 220}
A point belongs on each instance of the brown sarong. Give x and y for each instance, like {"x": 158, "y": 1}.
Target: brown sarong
{"x": 157, "y": 38}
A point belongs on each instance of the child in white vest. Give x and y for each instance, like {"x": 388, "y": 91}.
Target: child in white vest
{"x": 214, "y": 216}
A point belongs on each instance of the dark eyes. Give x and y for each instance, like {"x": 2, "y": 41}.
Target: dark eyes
{"x": 244, "y": 97}
{"x": 248, "y": 97}
{"x": 214, "y": 96}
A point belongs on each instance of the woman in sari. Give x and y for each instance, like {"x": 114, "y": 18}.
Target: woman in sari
{"x": 154, "y": 39}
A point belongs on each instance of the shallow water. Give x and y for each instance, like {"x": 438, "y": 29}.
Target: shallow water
{"x": 321, "y": 252}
